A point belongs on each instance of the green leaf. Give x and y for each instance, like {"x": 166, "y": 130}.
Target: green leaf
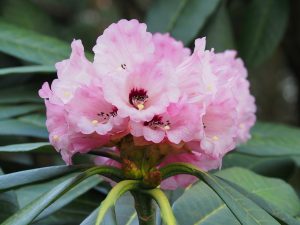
{"x": 281, "y": 167}
{"x": 35, "y": 119}
{"x": 201, "y": 205}
{"x": 218, "y": 31}
{"x": 13, "y": 180}
{"x": 21, "y": 94}
{"x": 245, "y": 210}
{"x": 32, "y": 210}
{"x": 31, "y": 46}
{"x": 17, "y": 127}
{"x": 77, "y": 191}
{"x": 262, "y": 29}
{"x": 116, "y": 192}
{"x": 45, "y": 146}
{"x": 274, "y": 191}
{"x": 281, "y": 216}
{"x": 27, "y": 69}
{"x": 8, "y": 203}
{"x": 12, "y": 111}
{"x": 272, "y": 140}
{"x": 182, "y": 18}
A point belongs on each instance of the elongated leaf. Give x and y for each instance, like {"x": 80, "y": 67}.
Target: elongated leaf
{"x": 36, "y": 119}
{"x": 218, "y": 31}
{"x": 281, "y": 167}
{"x": 273, "y": 210}
{"x": 12, "y": 111}
{"x": 263, "y": 27}
{"x": 27, "y": 69}
{"x": 182, "y": 18}
{"x": 74, "y": 212}
{"x": 13, "y": 180}
{"x": 272, "y": 191}
{"x": 8, "y": 203}
{"x": 45, "y": 146}
{"x": 21, "y": 94}
{"x": 272, "y": 140}
{"x": 80, "y": 189}
{"x": 31, "y": 46}
{"x": 200, "y": 205}
{"x": 245, "y": 210}
{"x": 17, "y": 127}
{"x": 32, "y": 210}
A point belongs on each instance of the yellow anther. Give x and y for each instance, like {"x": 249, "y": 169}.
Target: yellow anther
{"x": 67, "y": 94}
{"x": 242, "y": 126}
{"x": 94, "y": 122}
{"x": 55, "y": 137}
{"x": 209, "y": 87}
{"x": 140, "y": 106}
{"x": 215, "y": 138}
{"x": 167, "y": 127}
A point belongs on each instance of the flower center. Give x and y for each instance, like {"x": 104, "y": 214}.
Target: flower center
{"x": 138, "y": 98}
{"x": 157, "y": 123}
{"x": 104, "y": 117}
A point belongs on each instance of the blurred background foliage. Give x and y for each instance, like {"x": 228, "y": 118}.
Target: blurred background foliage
{"x": 36, "y": 33}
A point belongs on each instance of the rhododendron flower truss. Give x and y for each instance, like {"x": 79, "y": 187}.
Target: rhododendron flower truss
{"x": 151, "y": 102}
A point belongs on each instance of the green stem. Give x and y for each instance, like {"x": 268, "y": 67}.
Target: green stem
{"x": 144, "y": 208}
{"x": 164, "y": 205}
{"x": 115, "y": 193}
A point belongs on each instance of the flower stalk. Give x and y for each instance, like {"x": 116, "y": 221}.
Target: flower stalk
{"x": 144, "y": 207}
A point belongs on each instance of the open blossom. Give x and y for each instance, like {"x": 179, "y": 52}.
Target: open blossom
{"x": 149, "y": 92}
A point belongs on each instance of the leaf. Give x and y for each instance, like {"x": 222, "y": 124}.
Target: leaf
{"x": 218, "y": 31}
{"x": 12, "y": 111}
{"x": 272, "y": 140}
{"x": 13, "y": 180}
{"x": 35, "y": 119}
{"x": 33, "y": 209}
{"x": 262, "y": 29}
{"x": 116, "y": 192}
{"x": 17, "y": 127}
{"x": 31, "y": 46}
{"x": 281, "y": 167}
{"x": 27, "y": 69}
{"x": 182, "y": 18}
{"x": 273, "y": 191}
{"x": 20, "y": 94}
{"x": 77, "y": 191}
{"x": 273, "y": 210}
{"x": 8, "y": 203}
{"x": 201, "y": 205}
{"x": 26, "y": 147}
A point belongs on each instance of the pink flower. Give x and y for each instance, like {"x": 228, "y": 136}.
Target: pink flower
{"x": 180, "y": 122}
{"x": 92, "y": 113}
{"x": 122, "y": 46}
{"x": 142, "y": 93}
{"x": 72, "y": 73}
{"x": 169, "y": 50}
{"x": 63, "y": 137}
{"x": 148, "y": 92}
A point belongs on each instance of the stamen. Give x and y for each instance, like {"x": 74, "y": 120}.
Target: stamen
{"x": 104, "y": 117}
{"x": 55, "y": 138}
{"x": 95, "y": 122}
{"x": 138, "y": 98}
{"x": 157, "y": 123}
{"x": 215, "y": 138}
